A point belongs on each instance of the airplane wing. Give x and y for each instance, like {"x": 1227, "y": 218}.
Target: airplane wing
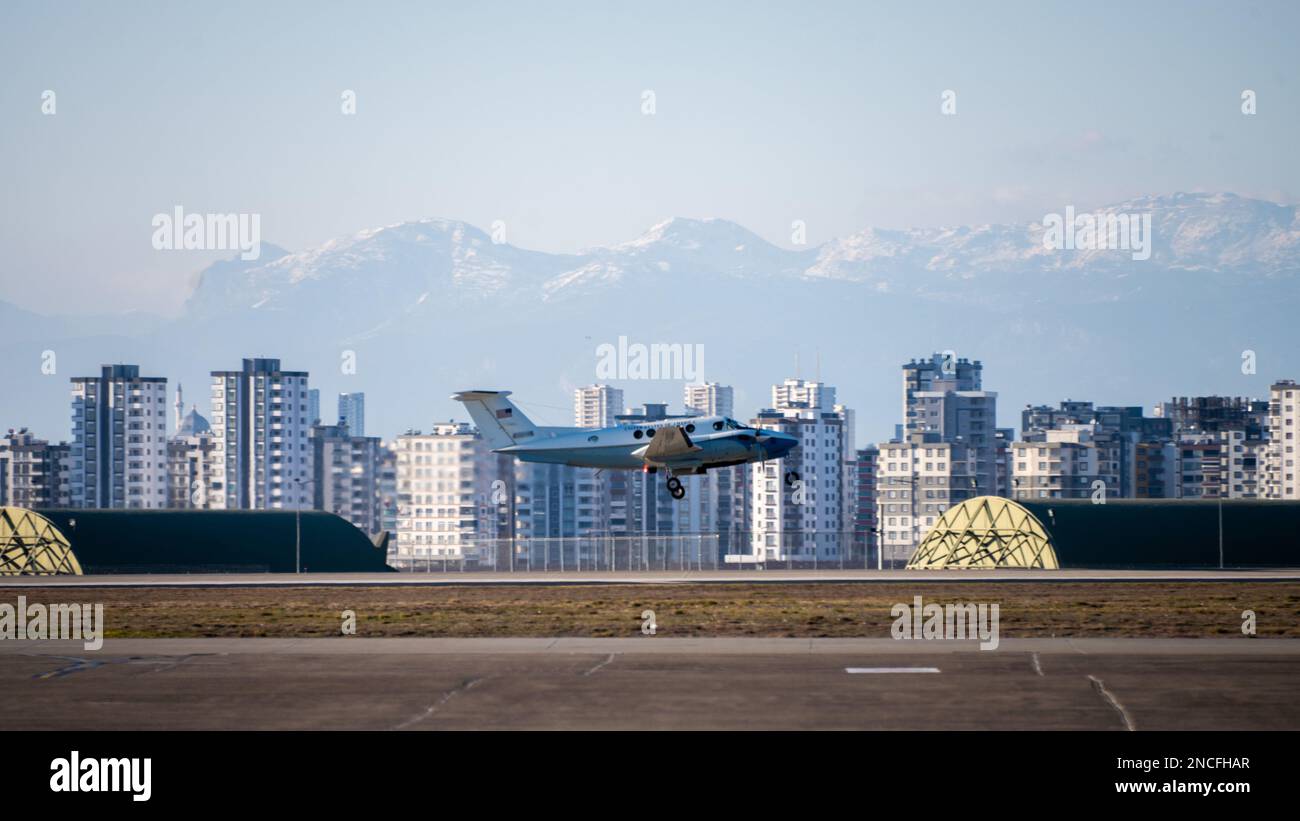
{"x": 668, "y": 444}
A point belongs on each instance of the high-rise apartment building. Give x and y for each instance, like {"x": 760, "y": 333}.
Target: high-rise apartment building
{"x": 1210, "y": 414}
{"x": 799, "y": 506}
{"x": 941, "y": 373}
{"x": 446, "y": 499}
{"x": 1066, "y": 462}
{"x": 345, "y": 473}
{"x": 950, "y": 449}
{"x": 1116, "y": 431}
{"x": 1280, "y": 468}
{"x": 119, "y": 440}
{"x": 352, "y": 412}
{"x": 865, "y": 467}
{"x": 803, "y": 393}
{"x": 595, "y": 406}
{"x": 261, "y": 420}
{"x": 709, "y": 399}
{"x": 33, "y": 472}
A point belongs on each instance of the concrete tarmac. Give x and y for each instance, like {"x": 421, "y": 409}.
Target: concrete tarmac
{"x": 650, "y": 682}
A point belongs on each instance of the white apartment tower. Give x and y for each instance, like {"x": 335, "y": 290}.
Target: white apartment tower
{"x": 799, "y": 505}
{"x": 119, "y": 448}
{"x": 709, "y": 399}
{"x": 1280, "y": 470}
{"x": 445, "y": 494}
{"x": 595, "y": 406}
{"x": 802, "y": 393}
{"x": 261, "y": 422}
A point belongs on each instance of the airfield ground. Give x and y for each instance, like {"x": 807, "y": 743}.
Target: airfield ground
{"x": 651, "y": 683}
{"x": 832, "y": 610}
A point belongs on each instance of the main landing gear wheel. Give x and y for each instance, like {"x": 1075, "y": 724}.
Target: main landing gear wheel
{"x": 791, "y": 477}
{"x": 675, "y": 487}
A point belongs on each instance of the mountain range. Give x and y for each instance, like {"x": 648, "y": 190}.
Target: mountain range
{"x": 432, "y": 306}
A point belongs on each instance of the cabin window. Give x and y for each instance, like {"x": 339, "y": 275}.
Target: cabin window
{"x": 638, "y": 433}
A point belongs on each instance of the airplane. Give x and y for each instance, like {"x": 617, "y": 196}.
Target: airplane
{"x": 680, "y": 447}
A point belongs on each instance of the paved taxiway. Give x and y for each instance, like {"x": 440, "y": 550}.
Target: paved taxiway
{"x": 652, "y": 577}
{"x": 650, "y": 682}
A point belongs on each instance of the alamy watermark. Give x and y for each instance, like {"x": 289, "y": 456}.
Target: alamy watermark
{"x": 77, "y": 774}
{"x": 53, "y": 622}
{"x": 953, "y": 621}
{"x": 1099, "y": 232}
{"x": 179, "y": 231}
{"x": 654, "y": 361}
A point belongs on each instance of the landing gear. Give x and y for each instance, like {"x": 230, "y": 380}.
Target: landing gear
{"x": 675, "y": 487}
{"x": 791, "y": 477}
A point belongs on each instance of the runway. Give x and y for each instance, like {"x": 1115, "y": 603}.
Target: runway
{"x": 651, "y": 682}
{"x": 833, "y": 575}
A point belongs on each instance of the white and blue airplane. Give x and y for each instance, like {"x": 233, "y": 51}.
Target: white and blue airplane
{"x": 681, "y": 447}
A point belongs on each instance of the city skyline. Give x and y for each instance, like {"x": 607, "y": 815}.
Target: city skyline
{"x": 261, "y": 450}
{"x": 684, "y": 390}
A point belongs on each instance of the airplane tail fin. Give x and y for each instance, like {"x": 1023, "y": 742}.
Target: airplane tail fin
{"x": 498, "y": 420}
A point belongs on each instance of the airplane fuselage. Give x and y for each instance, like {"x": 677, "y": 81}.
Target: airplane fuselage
{"x": 720, "y": 441}
{"x": 680, "y": 446}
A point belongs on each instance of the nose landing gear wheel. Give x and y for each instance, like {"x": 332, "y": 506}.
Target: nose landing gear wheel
{"x": 791, "y": 477}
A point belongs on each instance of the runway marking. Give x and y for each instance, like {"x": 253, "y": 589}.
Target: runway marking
{"x": 77, "y": 665}
{"x": 854, "y": 670}
{"x": 433, "y": 708}
{"x": 1038, "y": 668}
{"x": 598, "y": 666}
{"x": 1114, "y": 702}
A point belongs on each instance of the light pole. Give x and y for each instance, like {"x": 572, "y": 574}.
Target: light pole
{"x": 1220, "y": 527}
{"x": 297, "y": 525}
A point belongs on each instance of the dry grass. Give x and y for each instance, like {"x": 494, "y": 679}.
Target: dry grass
{"x": 795, "y": 610}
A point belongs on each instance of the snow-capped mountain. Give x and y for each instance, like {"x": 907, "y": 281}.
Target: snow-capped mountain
{"x": 425, "y": 308}
{"x": 1219, "y": 233}
{"x": 379, "y": 272}
{"x": 710, "y": 248}
{"x": 376, "y": 270}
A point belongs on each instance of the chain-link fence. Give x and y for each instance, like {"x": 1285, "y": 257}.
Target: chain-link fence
{"x": 679, "y": 552}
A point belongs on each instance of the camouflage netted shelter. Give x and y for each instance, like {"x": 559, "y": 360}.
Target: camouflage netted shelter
{"x": 30, "y": 545}
{"x": 213, "y": 541}
{"x": 990, "y": 531}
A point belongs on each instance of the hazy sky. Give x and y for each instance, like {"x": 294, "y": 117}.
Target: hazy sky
{"x": 532, "y": 114}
